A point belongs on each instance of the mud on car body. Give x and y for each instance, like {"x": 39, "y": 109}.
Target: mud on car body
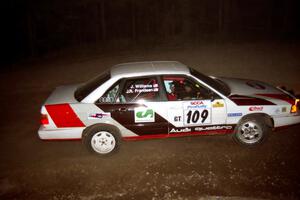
{"x": 161, "y": 99}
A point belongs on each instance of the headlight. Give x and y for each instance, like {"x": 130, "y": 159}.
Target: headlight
{"x": 295, "y": 107}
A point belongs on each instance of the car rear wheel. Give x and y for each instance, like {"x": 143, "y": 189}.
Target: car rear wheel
{"x": 251, "y": 131}
{"x": 102, "y": 141}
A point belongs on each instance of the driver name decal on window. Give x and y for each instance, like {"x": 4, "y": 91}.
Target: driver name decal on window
{"x": 141, "y": 88}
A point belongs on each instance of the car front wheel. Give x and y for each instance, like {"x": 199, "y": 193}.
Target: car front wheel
{"x": 251, "y": 131}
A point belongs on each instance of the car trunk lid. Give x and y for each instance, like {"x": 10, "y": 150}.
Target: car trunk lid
{"x": 62, "y": 94}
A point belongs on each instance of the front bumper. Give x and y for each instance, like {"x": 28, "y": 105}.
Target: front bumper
{"x": 286, "y": 121}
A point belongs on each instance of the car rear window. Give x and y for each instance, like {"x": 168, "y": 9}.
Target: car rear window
{"x": 88, "y": 87}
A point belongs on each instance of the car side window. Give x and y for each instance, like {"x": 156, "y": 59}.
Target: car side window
{"x": 140, "y": 89}
{"x": 111, "y": 95}
{"x": 179, "y": 88}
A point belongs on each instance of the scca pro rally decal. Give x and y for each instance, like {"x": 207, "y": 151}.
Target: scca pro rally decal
{"x": 143, "y": 114}
{"x": 197, "y": 112}
{"x": 98, "y": 115}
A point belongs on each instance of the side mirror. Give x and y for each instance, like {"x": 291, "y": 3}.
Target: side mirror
{"x": 211, "y": 95}
{"x": 212, "y": 98}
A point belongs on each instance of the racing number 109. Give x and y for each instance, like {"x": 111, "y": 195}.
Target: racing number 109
{"x": 195, "y": 115}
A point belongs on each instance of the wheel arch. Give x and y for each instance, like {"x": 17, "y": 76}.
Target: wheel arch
{"x": 268, "y": 119}
{"x": 107, "y": 127}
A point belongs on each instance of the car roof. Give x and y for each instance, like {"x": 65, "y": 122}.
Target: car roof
{"x": 148, "y": 68}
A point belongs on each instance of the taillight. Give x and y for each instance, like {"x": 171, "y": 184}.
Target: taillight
{"x": 295, "y": 107}
{"x": 44, "y": 119}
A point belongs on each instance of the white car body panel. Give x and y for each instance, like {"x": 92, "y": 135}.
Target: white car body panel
{"x": 60, "y": 134}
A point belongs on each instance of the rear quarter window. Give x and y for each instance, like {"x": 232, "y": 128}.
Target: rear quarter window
{"x": 88, "y": 87}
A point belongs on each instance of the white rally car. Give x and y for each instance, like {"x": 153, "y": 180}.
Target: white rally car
{"x": 163, "y": 99}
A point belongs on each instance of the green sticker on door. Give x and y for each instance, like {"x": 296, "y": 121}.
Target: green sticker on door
{"x": 143, "y": 114}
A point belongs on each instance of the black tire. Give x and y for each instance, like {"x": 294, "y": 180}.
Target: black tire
{"x": 89, "y": 134}
{"x": 252, "y": 130}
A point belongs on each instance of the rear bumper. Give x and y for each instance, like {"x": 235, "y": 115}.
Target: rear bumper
{"x": 60, "y": 134}
{"x": 286, "y": 121}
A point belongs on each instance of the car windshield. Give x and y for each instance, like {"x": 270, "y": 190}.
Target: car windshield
{"x": 214, "y": 83}
{"x": 85, "y": 89}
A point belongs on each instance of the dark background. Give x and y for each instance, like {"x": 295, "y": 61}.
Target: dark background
{"x": 49, "y": 43}
{"x": 34, "y": 28}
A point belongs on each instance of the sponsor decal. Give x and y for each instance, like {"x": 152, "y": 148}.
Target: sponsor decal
{"x": 218, "y": 105}
{"x": 256, "y": 108}
{"x": 98, "y": 115}
{"x": 283, "y": 109}
{"x": 200, "y": 128}
{"x": 143, "y": 114}
{"x": 234, "y": 114}
{"x": 180, "y": 130}
{"x": 209, "y": 128}
{"x": 196, "y": 104}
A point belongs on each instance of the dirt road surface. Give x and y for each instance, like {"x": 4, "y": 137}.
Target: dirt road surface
{"x": 207, "y": 167}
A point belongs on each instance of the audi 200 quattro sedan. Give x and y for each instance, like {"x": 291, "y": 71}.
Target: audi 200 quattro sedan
{"x": 162, "y": 99}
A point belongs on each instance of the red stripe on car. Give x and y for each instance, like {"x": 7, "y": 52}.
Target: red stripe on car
{"x": 63, "y": 116}
{"x": 283, "y": 97}
{"x": 249, "y": 101}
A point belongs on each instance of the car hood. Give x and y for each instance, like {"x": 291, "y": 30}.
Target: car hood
{"x": 249, "y": 87}
{"x": 256, "y": 89}
{"x": 62, "y": 94}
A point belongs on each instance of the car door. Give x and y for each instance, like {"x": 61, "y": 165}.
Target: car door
{"x": 192, "y": 107}
{"x": 135, "y": 102}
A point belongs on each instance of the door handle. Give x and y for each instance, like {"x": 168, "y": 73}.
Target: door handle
{"x": 123, "y": 109}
